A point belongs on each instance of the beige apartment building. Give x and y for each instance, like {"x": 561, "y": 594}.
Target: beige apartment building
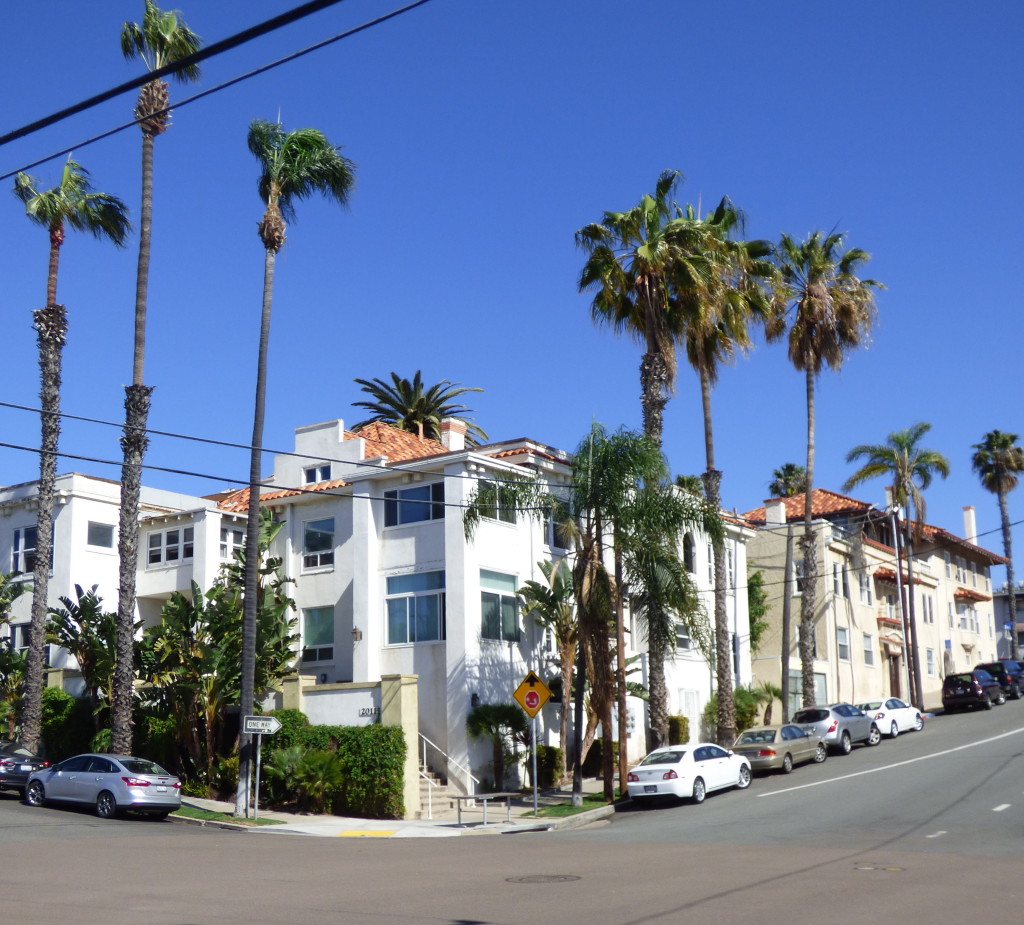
{"x": 861, "y": 632}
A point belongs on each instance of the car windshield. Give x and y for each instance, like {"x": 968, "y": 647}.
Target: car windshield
{"x": 756, "y": 737}
{"x": 810, "y": 716}
{"x": 142, "y": 766}
{"x": 672, "y": 756}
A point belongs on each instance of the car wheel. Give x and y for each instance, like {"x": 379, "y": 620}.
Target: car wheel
{"x": 821, "y": 754}
{"x": 987, "y": 702}
{"x": 699, "y": 791}
{"x": 845, "y": 745}
{"x": 106, "y": 805}
{"x": 1000, "y": 698}
{"x": 744, "y": 779}
{"x": 787, "y": 764}
{"x": 874, "y": 736}
{"x": 918, "y": 723}
{"x": 34, "y": 794}
{"x": 894, "y": 729}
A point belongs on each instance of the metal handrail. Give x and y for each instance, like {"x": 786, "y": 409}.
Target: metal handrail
{"x": 430, "y": 794}
{"x": 449, "y": 761}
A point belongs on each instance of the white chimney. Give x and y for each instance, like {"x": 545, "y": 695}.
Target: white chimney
{"x": 453, "y": 434}
{"x": 970, "y": 525}
{"x": 775, "y": 511}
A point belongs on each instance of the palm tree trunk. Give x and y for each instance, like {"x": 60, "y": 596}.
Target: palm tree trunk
{"x": 726, "y": 725}
{"x": 620, "y": 667}
{"x": 252, "y": 562}
{"x": 134, "y": 443}
{"x": 787, "y": 623}
{"x": 566, "y": 656}
{"x": 51, "y": 332}
{"x": 1011, "y": 597}
{"x": 653, "y": 388}
{"x": 810, "y": 550}
{"x": 915, "y": 657}
{"x": 657, "y": 691}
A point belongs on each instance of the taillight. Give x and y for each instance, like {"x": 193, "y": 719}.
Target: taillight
{"x": 766, "y": 753}
{"x": 834, "y": 726}
{"x": 6, "y": 764}
{"x": 879, "y": 716}
{"x": 136, "y": 781}
{"x": 177, "y": 785}
{"x": 630, "y": 776}
{"x": 669, "y": 775}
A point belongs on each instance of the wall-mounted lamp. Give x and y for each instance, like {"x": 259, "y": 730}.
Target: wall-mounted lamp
{"x": 474, "y": 701}
{"x": 357, "y": 634}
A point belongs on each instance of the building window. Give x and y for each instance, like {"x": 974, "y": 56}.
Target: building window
{"x": 683, "y": 640}
{"x": 846, "y": 582}
{"x": 414, "y": 505}
{"x": 317, "y": 634}
{"x": 19, "y": 641}
{"x": 504, "y": 508}
{"x": 231, "y": 541}
{"x": 557, "y": 534}
{"x": 843, "y": 642}
{"x": 837, "y": 588}
{"x": 730, "y": 571}
{"x": 711, "y": 565}
{"x": 498, "y": 606}
{"x": 167, "y": 547}
{"x": 415, "y": 608}
{"x": 869, "y": 649}
{"x": 928, "y": 608}
{"x": 865, "y": 587}
{"x": 24, "y": 559}
{"x": 100, "y": 535}
{"x": 949, "y": 607}
{"x": 974, "y": 575}
{"x": 930, "y": 661}
{"x": 689, "y": 554}
{"x": 798, "y": 576}
{"x": 318, "y": 543}
{"x": 949, "y": 567}
{"x": 313, "y": 474}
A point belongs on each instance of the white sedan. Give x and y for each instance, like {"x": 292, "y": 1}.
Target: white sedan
{"x": 687, "y": 772}
{"x": 893, "y": 716}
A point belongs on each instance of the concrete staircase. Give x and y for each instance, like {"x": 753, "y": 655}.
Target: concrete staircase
{"x": 435, "y": 798}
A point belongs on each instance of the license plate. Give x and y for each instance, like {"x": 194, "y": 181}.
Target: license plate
{"x": 650, "y": 788}
{"x": 26, "y": 767}
{"x": 161, "y": 790}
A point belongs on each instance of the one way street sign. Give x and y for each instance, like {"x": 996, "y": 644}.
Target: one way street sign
{"x": 260, "y": 725}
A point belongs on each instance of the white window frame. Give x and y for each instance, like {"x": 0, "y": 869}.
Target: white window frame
{"x": 418, "y": 586}
{"x": 23, "y": 558}
{"x": 865, "y": 588}
{"x": 499, "y": 585}
{"x": 170, "y": 546}
{"x": 869, "y": 649}
{"x": 843, "y": 643}
{"x": 930, "y": 662}
{"x": 92, "y": 528}
{"x": 322, "y": 650}
{"x": 402, "y": 508}
{"x": 232, "y": 540}
{"x": 318, "y": 473}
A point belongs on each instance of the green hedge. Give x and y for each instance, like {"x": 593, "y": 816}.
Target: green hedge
{"x": 67, "y": 727}
{"x": 593, "y": 766}
{"x": 678, "y": 730}
{"x": 550, "y": 765}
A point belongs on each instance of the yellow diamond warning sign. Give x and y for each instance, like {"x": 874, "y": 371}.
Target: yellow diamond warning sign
{"x": 532, "y": 694}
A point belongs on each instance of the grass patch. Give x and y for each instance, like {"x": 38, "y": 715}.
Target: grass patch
{"x": 210, "y": 815}
{"x": 558, "y": 810}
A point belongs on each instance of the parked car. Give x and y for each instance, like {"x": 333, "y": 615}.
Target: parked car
{"x": 840, "y": 725}
{"x": 687, "y": 772}
{"x": 971, "y": 689}
{"x": 16, "y": 763}
{"x": 893, "y": 716}
{"x": 1016, "y": 668}
{"x": 111, "y": 783}
{"x": 779, "y": 748}
{"x": 1007, "y": 681}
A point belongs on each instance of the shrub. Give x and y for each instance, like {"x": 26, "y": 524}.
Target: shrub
{"x": 550, "y": 765}
{"x": 593, "y": 764}
{"x": 678, "y": 730}
{"x": 293, "y": 724}
{"x": 747, "y": 704}
{"x": 67, "y": 726}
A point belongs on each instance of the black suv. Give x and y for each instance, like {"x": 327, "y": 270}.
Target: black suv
{"x": 971, "y": 689}
{"x": 1002, "y": 672}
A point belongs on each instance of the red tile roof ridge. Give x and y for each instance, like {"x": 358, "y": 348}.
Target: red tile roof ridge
{"x": 238, "y": 501}
{"x": 823, "y": 501}
{"x": 397, "y": 445}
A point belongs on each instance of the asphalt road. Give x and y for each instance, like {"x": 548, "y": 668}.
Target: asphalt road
{"x": 927, "y": 828}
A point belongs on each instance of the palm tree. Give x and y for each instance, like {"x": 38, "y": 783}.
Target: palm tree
{"x": 715, "y": 311}
{"x": 408, "y": 406}
{"x": 788, "y": 480}
{"x": 998, "y": 460}
{"x": 293, "y": 166}
{"x": 499, "y": 722}
{"x": 551, "y": 604}
{"x": 911, "y": 468}
{"x": 163, "y": 38}
{"x": 833, "y": 311}
{"x": 71, "y": 204}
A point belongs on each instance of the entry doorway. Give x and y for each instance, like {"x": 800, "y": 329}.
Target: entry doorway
{"x": 895, "y": 677}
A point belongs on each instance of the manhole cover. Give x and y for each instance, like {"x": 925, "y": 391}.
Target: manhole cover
{"x": 542, "y": 878}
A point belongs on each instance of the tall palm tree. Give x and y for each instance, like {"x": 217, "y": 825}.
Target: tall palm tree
{"x": 293, "y": 166}
{"x": 911, "y": 468}
{"x": 788, "y": 480}
{"x": 833, "y": 311}
{"x": 71, "y": 204}
{"x": 998, "y": 460}
{"x": 162, "y": 38}
{"x": 408, "y": 406}
{"x": 715, "y": 311}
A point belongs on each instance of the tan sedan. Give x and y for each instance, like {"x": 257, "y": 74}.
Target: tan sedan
{"x": 779, "y": 748}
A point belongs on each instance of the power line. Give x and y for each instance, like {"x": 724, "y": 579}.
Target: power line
{"x": 42, "y": 123}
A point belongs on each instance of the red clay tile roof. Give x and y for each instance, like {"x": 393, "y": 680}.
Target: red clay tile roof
{"x": 889, "y": 574}
{"x": 238, "y": 501}
{"x": 874, "y": 544}
{"x": 970, "y": 595}
{"x": 823, "y": 503}
{"x": 942, "y": 537}
{"x": 397, "y": 445}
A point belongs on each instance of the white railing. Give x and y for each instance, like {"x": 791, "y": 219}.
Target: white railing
{"x": 449, "y": 763}
{"x": 430, "y": 793}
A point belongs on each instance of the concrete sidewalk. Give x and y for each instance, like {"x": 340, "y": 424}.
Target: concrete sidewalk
{"x": 444, "y": 824}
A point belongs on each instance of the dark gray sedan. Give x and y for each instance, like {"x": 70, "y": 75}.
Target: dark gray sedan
{"x": 112, "y": 784}
{"x": 840, "y": 725}
{"x": 16, "y": 763}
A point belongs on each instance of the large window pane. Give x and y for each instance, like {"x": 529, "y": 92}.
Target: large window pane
{"x": 398, "y": 620}
{"x": 490, "y": 615}
{"x": 428, "y": 618}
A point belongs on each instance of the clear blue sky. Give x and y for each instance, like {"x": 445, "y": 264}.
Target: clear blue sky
{"x": 485, "y": 134}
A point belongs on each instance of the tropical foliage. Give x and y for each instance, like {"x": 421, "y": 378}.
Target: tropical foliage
{"x": 408, "y": 405}
{"x": 788, "y": 480}
{"x": 501, "y": 723}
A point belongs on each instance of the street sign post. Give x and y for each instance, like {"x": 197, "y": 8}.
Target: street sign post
{"x": 259, "y": 726}
{"x": 531, "y": 695}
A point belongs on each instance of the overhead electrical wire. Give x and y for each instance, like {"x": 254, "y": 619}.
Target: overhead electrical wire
{"x": 216, "y": 48}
